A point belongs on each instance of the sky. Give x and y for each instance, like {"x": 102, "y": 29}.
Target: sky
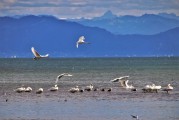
{"x": 86, "y": 8}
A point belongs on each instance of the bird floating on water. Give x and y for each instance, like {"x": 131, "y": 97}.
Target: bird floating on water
{"x": 54, "y": 88}
{"x": 39, "y": 91}
{"x": 19, "y": 90}
{"x": 109, "y": 89}
{"x": 89, "y": 88}
{"x": 152, "y": 88}
{"x": 28, "y": 89}
{"x": 168, "y": 88}
{"x": 81, "y": 40}
{"x": 75, "y": 89}
{"x": 135, "y": 116}
{"x": 37, "y": 55}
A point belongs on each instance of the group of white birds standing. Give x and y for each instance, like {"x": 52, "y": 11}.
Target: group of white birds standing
{"x": 148, "y": 88}
{"x": 40, "y": 90}
{"x": 122, "y": 80}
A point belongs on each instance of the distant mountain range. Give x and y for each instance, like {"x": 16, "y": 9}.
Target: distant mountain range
{"x": 58, "y": 38}
{"x": 146, "y": 24}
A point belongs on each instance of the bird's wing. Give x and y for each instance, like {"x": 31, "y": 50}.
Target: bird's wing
{"x": 123, "y": 83}
{"x": 81, "y": 39}
{"x": 115, "y": 80}
{"x": 45, "y": 55}
{"x": 36, "y": 54}
{"x": 77, "y": 44}
{"x": 58, "y": 77}
{"x": 124, "y": 77}
{"x": 126, "y": 82}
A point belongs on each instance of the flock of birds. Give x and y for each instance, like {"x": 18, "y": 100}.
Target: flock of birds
{"x": 80, "y": 41}
{"x": 148, "y": 88}
{"x": 122, "y": 80}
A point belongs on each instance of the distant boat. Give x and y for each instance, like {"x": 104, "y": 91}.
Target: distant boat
{"x": 81, "y": 40}
{"x": 37, "y": 55}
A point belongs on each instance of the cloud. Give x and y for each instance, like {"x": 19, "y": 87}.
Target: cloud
{"x": 86, "y": 8}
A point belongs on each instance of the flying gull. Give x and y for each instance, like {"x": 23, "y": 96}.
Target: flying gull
{"x": 37, "y": 55}
{"x": 120, "y": 78}
{"x": 61, "y": 75}
{"x": 81, "y": 40}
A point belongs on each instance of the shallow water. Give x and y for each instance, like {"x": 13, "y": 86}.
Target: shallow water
{"x": 93, "y": 105}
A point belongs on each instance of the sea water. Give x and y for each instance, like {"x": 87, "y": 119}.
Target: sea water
{"x": 118, "y": 104}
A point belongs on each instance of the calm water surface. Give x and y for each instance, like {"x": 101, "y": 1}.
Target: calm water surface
{"x": 118, "y": 104}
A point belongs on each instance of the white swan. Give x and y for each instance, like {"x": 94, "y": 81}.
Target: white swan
{"x": 168, "y": 88}
{"x": 54, "y": 88}
{"x": 151, "y": 88}
{"x": 37, "y": 55}
{"x": 19, "y": 90}
{"x": 157, "y": 87}
{"x": 75, "y": 89}
{"x": 124, "y": 83}
{"x": 89, "y": 88}
{"x": 28, "y": 89}
{"x": 61, "y": 75}
{"x": 81, "y": 41}
{"x": 39, "y": 91}
{"x": 120, "y": 78}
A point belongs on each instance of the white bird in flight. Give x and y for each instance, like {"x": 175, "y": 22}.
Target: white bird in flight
{"x": 124, "y": 83}
{"x": 120, "y": 78}
{"x": 37, "y": 55}
{"x": 61, "y": 75}
{"x": 81, "y": 41}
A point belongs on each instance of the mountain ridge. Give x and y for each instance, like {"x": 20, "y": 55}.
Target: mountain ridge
{"x": 58, "y": 38}
{"x": 146, "y": 24}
